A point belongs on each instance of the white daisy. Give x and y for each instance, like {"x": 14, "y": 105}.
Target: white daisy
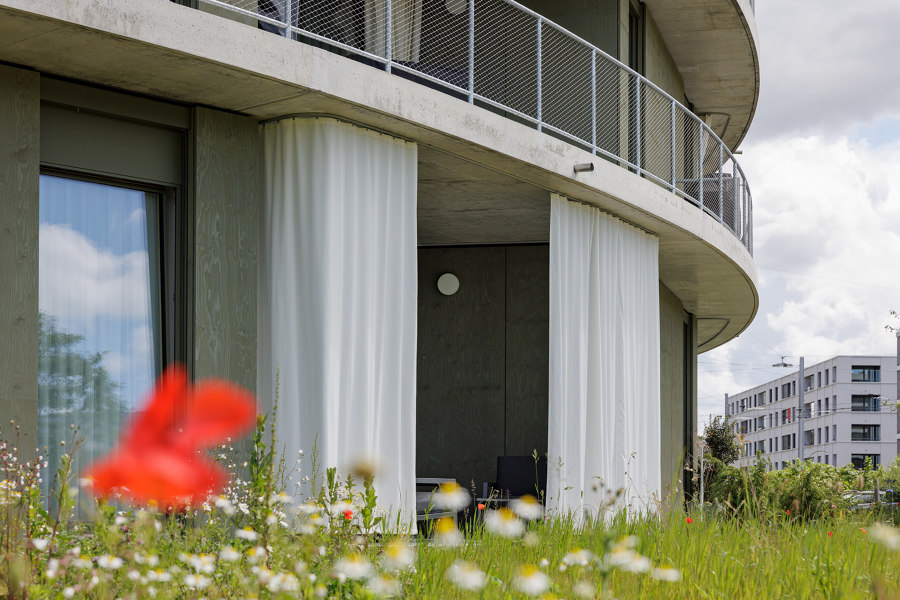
{"x": 585, "y": 589}
{"x": 886, "y": 536}
{"x": 353, "y": 566}
{"x": 196, "y": 581}
{"x": 527, "y": 507}
{"x": 578, "y": 557}
{"x": 666, "y": 574}
{"x": 451, "y": 496}
{"x": 40, "y": 544}
{"x": 397, "y": 555}
{"x": 465, "y": 575}
{"x": 107, "y": 561}
{"x": 383, "y": 585}
{"x": 531, "y": 581}
{"x": 283, "y": 582}
{"x": 446, "y": 533}
{"x": 503, "y": 522}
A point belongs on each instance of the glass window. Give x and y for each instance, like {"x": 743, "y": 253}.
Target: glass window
{"x": 865, "y": 433}
{"x": 865, "y": 403}
{"x": 101, "y": 335}
{"x": 869, "y": 374}
{"x": 859, "y": 460}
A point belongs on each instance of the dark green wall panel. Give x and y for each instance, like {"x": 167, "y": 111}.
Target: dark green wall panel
{"x": 19, "y": 176}
{"x": 527, "y": 348}
{"x": 482, "y": 360}
{"x": 226, "y": 196}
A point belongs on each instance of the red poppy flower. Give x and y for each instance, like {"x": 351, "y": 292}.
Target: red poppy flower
{"x": 788, "y": 512}
{"x": 481, "y": 507}
{"x": 688, "y": 520}
{"x": 830, "y": 534}
{"x": 348, "y": 514}
{"x": 160, "y": 453}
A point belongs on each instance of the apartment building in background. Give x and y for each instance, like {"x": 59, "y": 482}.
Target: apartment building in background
{"x": 442, "y": 231}
{"x": 849, "y": 414}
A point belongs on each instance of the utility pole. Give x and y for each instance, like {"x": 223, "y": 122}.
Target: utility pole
{"x": 799, "y": 404}
{"x": 800, "y": 440}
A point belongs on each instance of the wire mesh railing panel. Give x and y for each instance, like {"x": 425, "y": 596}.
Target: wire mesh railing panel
{"x": 515, "y": 62}
{"x": 566, "y": 83}
{"x": 711, "y": 200}
{"x": 687, "y": 179}
{"x": 360, "y": 26}
{"x": 656, "y": 131}
{"x": 444, "y": 46}
{"x": 611, "y": 96}
{"x": 506, "y": 57}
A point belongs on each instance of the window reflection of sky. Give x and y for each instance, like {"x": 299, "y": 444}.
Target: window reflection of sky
{"x": 95, "y": 275}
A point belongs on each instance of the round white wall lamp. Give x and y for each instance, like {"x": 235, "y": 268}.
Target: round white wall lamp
{"x": 448, "y": 284}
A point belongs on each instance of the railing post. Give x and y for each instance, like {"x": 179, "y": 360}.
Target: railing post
{"x": 637, "y": 123}
{"x": 672, "y": 146}
{"x": 287, "y": 18}
{"x": 721, "y": 195}
{"x": 539, "y": 23}
{"x": 471, "y": 51}
{"x": 388, "y": 33}
{"x": 700, "y": 163}
{"x": 593, "y": 102}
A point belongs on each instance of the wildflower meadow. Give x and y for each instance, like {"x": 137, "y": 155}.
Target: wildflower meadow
{"x": 142, "y": 523}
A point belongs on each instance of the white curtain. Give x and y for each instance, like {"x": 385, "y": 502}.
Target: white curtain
{"x": 338, "y": 298}
{"x": 604, "y": 421}
{"x": 406, "y": 28}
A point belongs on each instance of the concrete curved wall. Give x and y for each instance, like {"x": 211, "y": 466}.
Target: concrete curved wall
{"x": 168, "y": 51}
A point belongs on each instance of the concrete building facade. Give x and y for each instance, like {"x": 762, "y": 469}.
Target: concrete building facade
{"x": 507, "y": 136}
{"x": 849, "y": 414}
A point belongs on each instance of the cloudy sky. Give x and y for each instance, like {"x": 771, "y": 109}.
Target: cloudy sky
{"x": 823, "y": 161}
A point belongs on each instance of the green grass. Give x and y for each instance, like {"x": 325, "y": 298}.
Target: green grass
{"x": 724, "y": 558}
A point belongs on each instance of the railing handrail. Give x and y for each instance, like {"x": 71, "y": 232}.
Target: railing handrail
{"x": 712, "y": 200}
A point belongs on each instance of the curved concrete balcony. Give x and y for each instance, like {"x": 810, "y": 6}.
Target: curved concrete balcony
{"x": 505, "y": 57}
{"x": 714, "y": 44}
{"x": 488, "y": 158}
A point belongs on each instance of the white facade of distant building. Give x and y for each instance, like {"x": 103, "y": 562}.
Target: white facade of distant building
{"x": 849, "y": 414}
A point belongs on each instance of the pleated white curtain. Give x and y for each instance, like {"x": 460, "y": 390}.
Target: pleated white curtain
{"x": 338, "y": 298}
{"x": 604, "y": 421}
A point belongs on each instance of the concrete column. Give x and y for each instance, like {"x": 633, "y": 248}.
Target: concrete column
{"x": 19, "y": 179}
{"x": 226, "y": 187}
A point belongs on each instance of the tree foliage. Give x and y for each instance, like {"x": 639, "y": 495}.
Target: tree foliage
{"x": 76, "y": 395}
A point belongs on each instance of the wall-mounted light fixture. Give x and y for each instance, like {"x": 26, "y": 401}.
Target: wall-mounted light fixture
{"x": 584, "y": 167}
{"x": 448, "y": 284}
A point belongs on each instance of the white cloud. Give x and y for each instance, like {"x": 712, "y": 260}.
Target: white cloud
{"x": 827, "y": 217}
{"x": 80, "y": 279}
{"x": 826, "y": 65}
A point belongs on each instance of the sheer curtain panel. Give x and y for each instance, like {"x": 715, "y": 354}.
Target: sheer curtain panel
{"x": 604, "y": 422}
{"x": 338, "y": 298}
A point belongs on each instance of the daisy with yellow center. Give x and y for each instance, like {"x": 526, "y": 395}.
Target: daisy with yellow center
{"x": 531, "y": 581}
{"x": 504, "y": 522}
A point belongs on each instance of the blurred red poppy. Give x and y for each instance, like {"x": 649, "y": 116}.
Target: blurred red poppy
{"x": 688, "y": 520}
{"x": 160, "y": 454}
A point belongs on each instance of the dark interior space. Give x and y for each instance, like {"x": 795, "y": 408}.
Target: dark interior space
{"x": 482, "y": 379}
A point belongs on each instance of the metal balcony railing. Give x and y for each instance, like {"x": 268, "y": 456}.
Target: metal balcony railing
{"x": 505, "y": 57}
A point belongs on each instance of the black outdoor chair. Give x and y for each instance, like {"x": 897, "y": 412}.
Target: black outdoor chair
{"x": 516, "y": 476}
